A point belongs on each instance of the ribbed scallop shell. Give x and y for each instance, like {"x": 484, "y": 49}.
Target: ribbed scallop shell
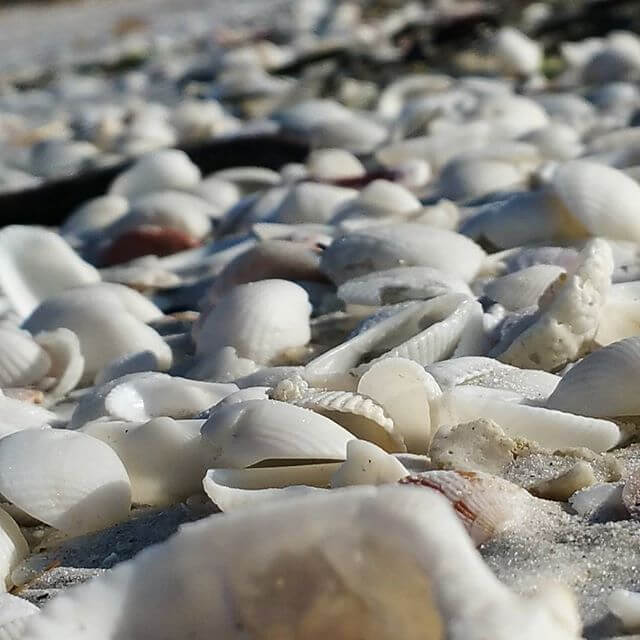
{"x": 22, "y": 360}
{"x": 604, "y": 384}
{"x": 487, "y": 505}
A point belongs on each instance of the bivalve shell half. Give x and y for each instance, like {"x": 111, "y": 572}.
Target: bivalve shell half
{"x": 22, "y": 360}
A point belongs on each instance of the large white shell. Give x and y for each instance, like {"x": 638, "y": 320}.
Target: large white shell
{"x": 66, "y": 479}
{"x": 603, "y": 384}
{"x": 164, "y": 458}
{"x": 385, "y": 247}
{"x": 35, "y": 264}
{"x": 260, "y": 320}
{"x": 22, "y": 360}
{"x": 404, "y": 389}
{"x": 329, "y": 591}
{"x": 166, "y": 169}
{"x": 551, "y": 429}
{"x": 254, "y": 431}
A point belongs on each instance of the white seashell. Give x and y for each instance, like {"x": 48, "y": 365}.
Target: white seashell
{"x": 625, "y": 605}
{"x": 604, "y": 498}
{"x": 59, "y": 158}
{"x": 142, "y": 273}
{"x": 456, "y": 371}
{"x": 260, "y": 320}
{"x": 392, "y": 98}
{"x": 466, "y": 178}
{"x": 603, "y": 383}
{"x": 556, "y": 141}
{"x": 511, "y": 116}
{"x": 517, "y": 53}
{"x": 13, "y": 550}
{"x": 404, "y": 390}
{"x": 22, "y": 360}
{"x": 35, "y": 264}
{"x": 621, "y": 314}
{"x": 333, "y": 164}
{"x": 380, "y": 288}
{"x": 268, "y": 376}
{"x": 550, "y": 428}
{"x": 164, "y": 169}
{"x": 248, "y": 179}
{"x": 367, "y": 464}
{"x": 522, "y": 289}
{"x": 565, "y": 326}
{"x": 354, "y": 132}
{"x": 67, "y": 363}
{"x": 198, "y": 119}
{"x": 14, "y": 612}
{"x": 16, "y": 415}
{"x": 258, "y": 431}
{"x": 378, "y": 199}
{"x": 486, "y": 504}
{"x": 164, "y": 458}
{"x": 221, "y": 194}
{"x": 219, "y": 365}
{"x": 94, "y": 215}
{"x": 385, "y": 247}
{"x": 250, "y": 393}
{"x": 402, "y": 531}
{"x": 138, "y": 362}
{"x": 66, "y": 479}
{"x": 312, "y": 202}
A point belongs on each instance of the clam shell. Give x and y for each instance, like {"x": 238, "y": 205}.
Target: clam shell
{"x": 367, "y": 464}
{"x": 603, "y": 384}
{"x": 164, "y": 458}
{"x": 247, "y": 433}
{"x": 404, "y": 390}
{"x": 69, "y": 480}
{"x": 22, "y": 360}
{"x": 36, "y": 264}
{"x": 260, "y": 320}
{"x": 219, "y": 365}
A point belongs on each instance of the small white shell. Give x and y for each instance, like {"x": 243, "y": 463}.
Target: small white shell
{"x": 94, "y": 215}
{"x": 517, "y": 53}
{"x": 219, "y": 365}
{"x": 466, "y": 178}
{"x": 22, "y": 360}
{"x": 124, "y": 365}
{"x": 35, "y": 264}
{"x": 333, "y": 164}
{"x": 254, "y": 431}
{"x": 312, "y": 202}
{"x": 367, "y": 464}
{"x": 67, "y": 363}
{"x": 66, "y": 479}
{"x": 404, "y": 390}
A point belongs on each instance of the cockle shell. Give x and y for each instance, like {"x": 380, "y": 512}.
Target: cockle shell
{"x": 385, "y": 247}
{"x": 66, "y": 479}
{"x": 603, "y": 384}
{"x": 164, "y": 458}
{"x": 404, "y": 390}
{"x": 35, "y": 264}
{"x": 565, "y": 326}
{"x": 256, "y": 431}
{"x": 487, "y": 505}
{"x": 260, "y": 320}
{"x": 402, "y": 531}
{"x": 22, "y": 360}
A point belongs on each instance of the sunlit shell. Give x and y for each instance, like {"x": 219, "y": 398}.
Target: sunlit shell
{"x": 16, "y": 415}
{"x": 367, "y": 464}
{"x": 312, "y": 202}
{"x": 332, "y": 164}
{"x": 22, "y": 360}
{"x": 378, "y": 199}
{"x": 465, "y": 178}
{"x": 67, "y": 479}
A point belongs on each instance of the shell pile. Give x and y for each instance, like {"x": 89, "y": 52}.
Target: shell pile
{"x": 373, "y": 376}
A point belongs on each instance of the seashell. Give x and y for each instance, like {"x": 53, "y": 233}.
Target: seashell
{"x": 163, "y": 169}
{"x": 562, "y": 487}
{"x": 511, "y": 116}
{"x": 106, "y": 321}
{"x": 142, "y": 274}
{"x": 523, "y": 257}
{"x": 392, "y": 286}
{"x": 392, "y": 98}
{"x": 522, "y": 289}
{"x": 327, "y": 165}
{"x": 66, "y": 479}
{"x": 13, "y": 550}
{"x": 249, "y": 393}
{"x": 358, "y": 414}
{"x": 480, "y": 445}
{"x": 16, "y": 415}
{"x": 219, "y": 365}
{"x": 599, "y": 501}
{"x": 312, "y": 202}
{"x": 379, "y": 248}
{"x": 35, "y": 264}
{"x": 267, "y": 431}
{"x": 367, "y": 464}
{"x": 517, "y": 53}
{"x": 378, "y": 199}
{"x": 95, "y": 215}
{"x": 564, "y": 327}
{"x": 551, "y": 429}
{"x": 466, "y": 178}
{"x": 260, "y": 320}
{"x": 67, "y": 363}
{"x": 488, "y": 506}
{"x": 248, "y": 179}
{"x": 631, "y": 495}
{"x": 127, "y": 364}
{"x": 412, "y": 534}
{"x": 625, "y": 605}
{"x": 268, "y": 376}
{"x": 556, "y": 141}
{"x": 221, "y": 194}
{"x": 14, "y": 614}
{"x": 146, "y": 240}
{"x": 164, "y": 458}
{"x": 200, "y": 119}
{"x": 404, "y": 390}
{"x": 22, "y": 359}
{"x": 60, "y": 158}
{"x": 621, "y": 314}
{"x": 602, "y": 384}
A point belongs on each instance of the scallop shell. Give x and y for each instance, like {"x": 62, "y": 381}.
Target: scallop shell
{"x": 165, "y": 169}
{"x": 487, "y": 505}
{"x": 22, "y": 360}
{"x": 260, "y": 320}
{"x": 398, "y": 285}
{"x": 603, "y": 384}
{"x": 66, "y": 479}
{"x": 67, "y": 363}
{"x": 164, "y": 458}
{"x": 404, "y": 390}
{"x": 257, "y": 431}
{"x": 36, "y": 264}
{"x": 385, "y": 247}
{"x": 366, "y": 463}
{"x": 566, "y": 325}
{"x": 552, "y": 429}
